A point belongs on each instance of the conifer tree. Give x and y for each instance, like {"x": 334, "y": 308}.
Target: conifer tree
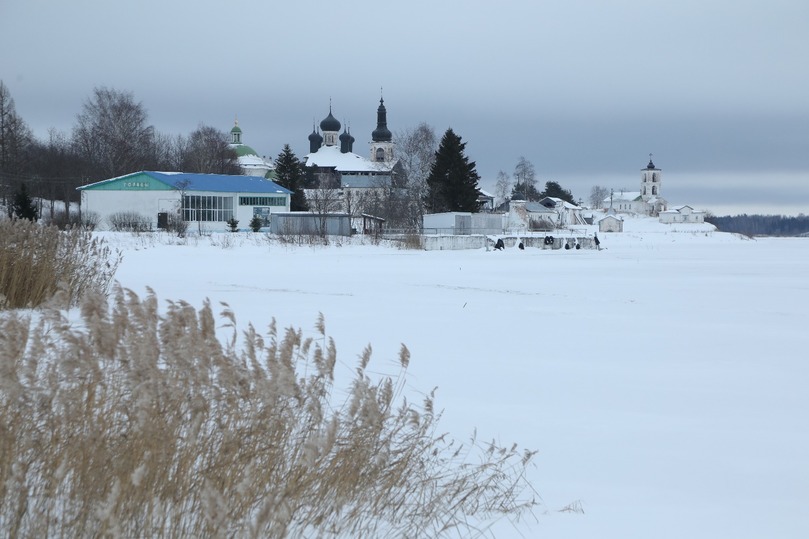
{"x": 553, "y": 189}
{"x": 453, "y": 181}
{"x": 525, "y": 191}
{"x": 290, "y": 174}
{"x": 23, "y": 207}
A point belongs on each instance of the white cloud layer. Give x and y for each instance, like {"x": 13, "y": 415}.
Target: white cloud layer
{"x": 577, "y": 87}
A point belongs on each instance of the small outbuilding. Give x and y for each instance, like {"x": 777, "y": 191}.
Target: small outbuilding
{"x": 569, "y": 214}
{"x": 611, "y": 223}
{"x": 682, "y": 214}
{"x": 485, "y": 201}
{"x": 451, "y": 222}
{"x": 530, "y": 216}
{"x": 303, "y": 223}
{"x": 462, "y": 223}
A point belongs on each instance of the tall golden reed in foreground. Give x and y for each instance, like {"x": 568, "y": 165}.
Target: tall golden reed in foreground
{"x": 133, "y": 423}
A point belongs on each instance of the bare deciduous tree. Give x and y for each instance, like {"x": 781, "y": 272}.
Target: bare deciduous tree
{"x": 597, "y": 196}
{"x": 208, "y": 151}
{"x": 326, "y": 198}
{"x": 502, "y": 188}
{"x": 15, "y": 142}
{"x": 112, "y": 134}
{"x": 525, "y": 179}
{"x": 170, "y": 152}
{"x": 416, "y": 149}
{"x": 57, "y": 171}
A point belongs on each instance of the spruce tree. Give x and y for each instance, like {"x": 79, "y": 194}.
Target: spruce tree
{"x": 23, "y": 207}
{"x": 290, "y": 174}
{"x": 525, "y": 191}
{"x": 453, "y": 181}
{"x": 553, "y": 189}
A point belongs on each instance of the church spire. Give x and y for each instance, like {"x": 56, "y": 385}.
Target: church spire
{"x": 381, "y": 133}
{"x": 381, "y": 138}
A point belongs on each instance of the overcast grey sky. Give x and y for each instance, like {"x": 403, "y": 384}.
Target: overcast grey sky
{"x": 717, "y": 90}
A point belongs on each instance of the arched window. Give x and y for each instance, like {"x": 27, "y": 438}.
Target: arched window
{"x": 380, "y": 154}
{"x": 654, "y": 190}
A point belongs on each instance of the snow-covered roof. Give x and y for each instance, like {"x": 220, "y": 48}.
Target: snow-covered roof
{"x": 559, "y": 203}
{"x": 253, "y": 161}
{"x": 626, "y": 196}
{"x": 536, "y": 207}
{"x": 679, "y": 209}
{"x": 332, "y": 157}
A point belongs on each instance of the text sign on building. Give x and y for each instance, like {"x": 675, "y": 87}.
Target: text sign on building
{"x": 135, "y": 185}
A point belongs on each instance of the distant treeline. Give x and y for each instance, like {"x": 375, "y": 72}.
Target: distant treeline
{"x": 762, "y": 225}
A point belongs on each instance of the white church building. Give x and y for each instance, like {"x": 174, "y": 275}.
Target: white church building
{"x": 647, "y": 201}
{"x": 331, "y": 156}
{"x": 250, "y": 163}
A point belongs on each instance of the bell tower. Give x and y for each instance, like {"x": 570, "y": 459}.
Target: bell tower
{"x": 650, "y": 181}
{"x": 381, "y": 138}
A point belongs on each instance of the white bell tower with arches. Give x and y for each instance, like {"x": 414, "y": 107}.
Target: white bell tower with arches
{"x": 650, "y": 181}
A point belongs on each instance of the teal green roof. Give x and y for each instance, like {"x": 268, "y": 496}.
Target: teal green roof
{"x": 138, "y": 181}
{"x": 166, "y": 181}
{"x": 243, "y": 149}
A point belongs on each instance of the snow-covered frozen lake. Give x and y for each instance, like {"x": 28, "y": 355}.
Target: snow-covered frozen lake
{"x": 662, "y": 380}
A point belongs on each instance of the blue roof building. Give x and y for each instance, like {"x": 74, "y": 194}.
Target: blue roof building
{"x": 205, "y": 200}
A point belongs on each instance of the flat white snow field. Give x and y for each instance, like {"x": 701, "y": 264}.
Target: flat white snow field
{"x": 662, "y": 380}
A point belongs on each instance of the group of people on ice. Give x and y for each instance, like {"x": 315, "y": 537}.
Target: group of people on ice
{"x": 499, "y": 245}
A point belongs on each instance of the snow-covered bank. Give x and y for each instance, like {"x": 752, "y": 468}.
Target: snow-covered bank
{"x": 662, "y": 379}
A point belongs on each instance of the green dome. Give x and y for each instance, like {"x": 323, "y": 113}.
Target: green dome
{"x": 243, "y": 150}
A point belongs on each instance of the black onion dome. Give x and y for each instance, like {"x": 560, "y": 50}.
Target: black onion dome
{"x": 330, "y": 123}
{"x": 315, "y": 141}
{"x": 381, "y": 133}
{"x": 345, "y": 142}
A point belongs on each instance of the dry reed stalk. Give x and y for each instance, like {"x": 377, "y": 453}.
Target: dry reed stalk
{"x": 136, "y": 424}
{"x": 37, "y": 262}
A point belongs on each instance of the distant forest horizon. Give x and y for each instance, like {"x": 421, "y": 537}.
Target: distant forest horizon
{"x": 762, "y": 225}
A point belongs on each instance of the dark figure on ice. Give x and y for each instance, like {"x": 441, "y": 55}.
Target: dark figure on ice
{"x": 598, "y": 243}
{"x": 521, "y": 246}
{"x": 499, "y": 246}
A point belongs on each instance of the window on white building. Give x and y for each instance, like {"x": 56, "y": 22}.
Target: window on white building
{"x": 262, "y": 201}
{"x": 207, "y": 208}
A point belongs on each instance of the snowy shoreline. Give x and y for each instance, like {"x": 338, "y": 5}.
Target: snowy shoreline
{"x": 662, "y": 379}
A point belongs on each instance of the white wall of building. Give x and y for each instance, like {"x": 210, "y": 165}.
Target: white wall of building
{"x": 148, "y": 203}
{"x": 684, "y": 214}
{"x": 105, "y": 203}
{"x": 611, "y": 223}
